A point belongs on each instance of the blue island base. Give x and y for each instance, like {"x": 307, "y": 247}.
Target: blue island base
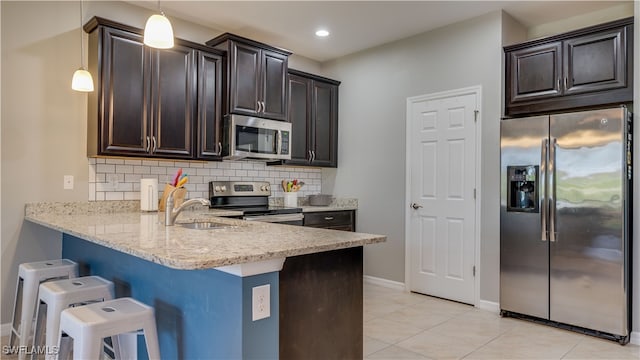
{"x": 200, "y": 314}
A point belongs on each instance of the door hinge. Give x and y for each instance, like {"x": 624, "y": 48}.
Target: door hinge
{"x": 475, "y": 115}
{"x": 474, "y": 271}
{"x": 474, "y": 193}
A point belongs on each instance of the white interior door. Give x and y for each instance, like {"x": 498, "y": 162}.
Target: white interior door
{"x": 442, "y": 214}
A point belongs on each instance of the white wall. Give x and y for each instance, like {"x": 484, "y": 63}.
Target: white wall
{"x": 375, "y": 85}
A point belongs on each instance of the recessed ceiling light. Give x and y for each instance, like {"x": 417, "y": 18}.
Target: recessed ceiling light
{"x": 322, "y": 33}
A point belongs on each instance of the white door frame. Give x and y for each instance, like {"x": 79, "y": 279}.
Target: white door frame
{"x": 477, "y": 90}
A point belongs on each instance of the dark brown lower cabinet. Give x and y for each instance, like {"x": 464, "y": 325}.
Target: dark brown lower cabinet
{"x": 336, "y": 220}
{"x": 321, "y": 306}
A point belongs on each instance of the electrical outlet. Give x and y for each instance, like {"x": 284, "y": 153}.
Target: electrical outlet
{"x": 261, "y": 303}
{"x": 68, "y": 182}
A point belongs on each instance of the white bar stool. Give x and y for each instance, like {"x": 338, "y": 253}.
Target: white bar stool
{"x": 30, "y": 275}
{"x": 88, "y": 325}
{"x": 58, "y": 295}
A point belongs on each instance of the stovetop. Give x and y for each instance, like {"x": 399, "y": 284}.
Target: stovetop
{"x": 252, "y": 198}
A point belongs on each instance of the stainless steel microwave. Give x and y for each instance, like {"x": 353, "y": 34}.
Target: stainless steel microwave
{"x": 256, "y": 138}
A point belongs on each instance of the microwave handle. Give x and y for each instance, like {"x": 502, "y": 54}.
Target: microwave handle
{"x": 279, "y": 144}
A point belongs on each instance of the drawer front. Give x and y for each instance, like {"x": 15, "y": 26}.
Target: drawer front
{"x": 329, "y": 219}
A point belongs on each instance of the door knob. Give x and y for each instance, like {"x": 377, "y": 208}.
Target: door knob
{"x": 416, "y": 206}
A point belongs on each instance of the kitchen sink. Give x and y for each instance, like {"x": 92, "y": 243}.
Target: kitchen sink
{"x": 205, "y": 225}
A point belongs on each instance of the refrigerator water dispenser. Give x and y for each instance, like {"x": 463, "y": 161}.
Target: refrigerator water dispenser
{"x": 522, "y": 192}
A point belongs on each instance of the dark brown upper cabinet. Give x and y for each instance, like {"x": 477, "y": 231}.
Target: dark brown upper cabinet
{"x": 209, "y": 127}
{"x": 256, "y": 77}
{"x": 582, "y": 68}
{"x": 149, "y": 101}
{"x": 313, "y": 113}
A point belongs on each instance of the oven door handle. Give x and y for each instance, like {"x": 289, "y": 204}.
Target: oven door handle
{"x": 275, "y": 218}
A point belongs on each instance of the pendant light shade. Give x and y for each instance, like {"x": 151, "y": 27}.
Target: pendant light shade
{"x": 158, "y": 32}
{"x": 82, "y": 80}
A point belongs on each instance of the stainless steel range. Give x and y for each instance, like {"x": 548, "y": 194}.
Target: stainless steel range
{"x": 252, "y": 198}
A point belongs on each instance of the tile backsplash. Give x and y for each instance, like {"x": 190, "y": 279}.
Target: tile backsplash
{"x": 119, "y": 179}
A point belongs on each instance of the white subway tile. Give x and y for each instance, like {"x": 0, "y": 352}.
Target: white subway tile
{"x": 194, "y": 179}
{"x": 124, "y": 169}
{"x": 203, "y": 172}
{"x": 196, "y": 165}
{"x": 241, "y": 172}
{"x": 124, "y": 186}
{"x": 235, "y": 178}
{"x": 150, "y": 162}
{"x": 236, "y": 165}
{"x": 114, "y": 196}
{"x": 135, "y": 177}
{"x": 259, "y": 166}
{"x": 99, "y": 196}
{"x": 202, "y": 187}
{"x": 101, "y": 178}
{"x": 101, "y": 161}
{"x": 92, "y": 173}
{"x": 105, "y": 168}
{"x": 198, "y": 194}
{"x": 132, "y": 195}
{"x": 263, "y": 174}
{"x": 132, "y": 162}
{"x": 158, "y": 170}
{"x": 91, "y": 160}
{"x": 181, "y": 164}
{"x": 115, "y": 161}
{"x": 224, "y": 165}
{"x": 142, "y": 170}
{"x": 247, "y": 166}
{"x": 217, "y": 172}
{"x": 253, "y": 173}
{"x": 229, "y": 172}
{"x": 92, "y": 192}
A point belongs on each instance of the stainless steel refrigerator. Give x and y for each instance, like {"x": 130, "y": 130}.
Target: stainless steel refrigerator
{"x": 565, "y": 220}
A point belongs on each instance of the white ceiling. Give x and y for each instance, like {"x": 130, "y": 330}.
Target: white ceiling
{"x": 354, "y": 25}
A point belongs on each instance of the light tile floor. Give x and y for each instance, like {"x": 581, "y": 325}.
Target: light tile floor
{"x": 399, "y": 325}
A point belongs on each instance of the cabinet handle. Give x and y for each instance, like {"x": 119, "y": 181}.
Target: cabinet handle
{"x": 559, "y": 88}
{"x": 310, "y": 156}
{"x": 566, "y": 81}
{"x": 259, "y": 107}
{"x": 263, "y": 107}
{"x": 313, "y": 155}
{"x": 154, "y": 144}
{"x": 148, "y": 144}
{"x": 219, "y": 149}
{"x": 328, "y": 218}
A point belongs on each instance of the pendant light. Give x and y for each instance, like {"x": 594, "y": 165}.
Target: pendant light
{"x": 82, "y": 80}
{"x": 158, "y": 32}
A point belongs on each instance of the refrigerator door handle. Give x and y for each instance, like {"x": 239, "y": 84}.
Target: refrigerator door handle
{"x": 552, "y": 190}
{"x": 543, "y": 173}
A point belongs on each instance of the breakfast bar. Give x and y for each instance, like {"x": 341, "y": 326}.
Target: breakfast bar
{"x": 200, "y": 281}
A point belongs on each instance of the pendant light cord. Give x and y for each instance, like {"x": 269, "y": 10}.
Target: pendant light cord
{"x": 82, "y": 38}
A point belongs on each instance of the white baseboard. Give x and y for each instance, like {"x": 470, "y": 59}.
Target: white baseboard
{"x": 491, "y": 306}
{"x": 635, "y": 338}
{"x": 384, "y": 282}
{"x": 5, "y": 329}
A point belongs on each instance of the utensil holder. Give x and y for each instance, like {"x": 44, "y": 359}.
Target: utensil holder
{"x": 178, "y": 196}
{"x": 291, "y": 199}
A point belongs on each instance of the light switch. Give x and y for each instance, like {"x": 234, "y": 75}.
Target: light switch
{"x": 68, "y": 182}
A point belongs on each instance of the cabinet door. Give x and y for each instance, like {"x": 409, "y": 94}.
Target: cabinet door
{"x": 244, "y": 80}
{"x": 534, "y": 73}
{"x": 124, "y": 86}
{"x": 300, "y": 119}
{"x": 173, "y": 102}
{"x": 595, "y": 62}
{"x": 209, "y": 106}
{"x": 325, "y": 124}
{"x": 274, "y": 85}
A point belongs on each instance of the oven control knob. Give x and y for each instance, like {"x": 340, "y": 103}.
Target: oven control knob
{"x": 264, "y": 188}
{"x": 223, "y": 188}
{"x": 216, "y": 189}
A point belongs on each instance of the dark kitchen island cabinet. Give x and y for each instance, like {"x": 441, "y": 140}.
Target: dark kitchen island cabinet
{"x": 256, "y": 82}
{"x": 582, "y": 68}
{"x": 313, "y": 113}
{"x": 148, "y": 101}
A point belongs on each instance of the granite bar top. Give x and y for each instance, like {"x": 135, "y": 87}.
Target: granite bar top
{"x": 337, "y": 204}
{"x": 121, "y": 226}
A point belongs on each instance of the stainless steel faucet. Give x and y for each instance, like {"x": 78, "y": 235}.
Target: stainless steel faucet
{"x": 170, "y": 214}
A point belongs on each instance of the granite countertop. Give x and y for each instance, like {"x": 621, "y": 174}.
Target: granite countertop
{"x": 120, "y": 225}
